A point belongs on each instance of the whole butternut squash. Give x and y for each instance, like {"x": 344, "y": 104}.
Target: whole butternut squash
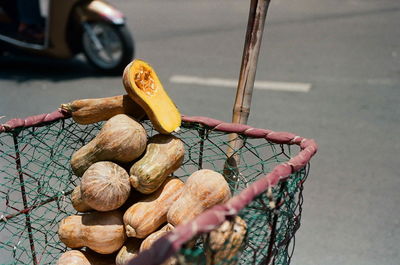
{"x": 128, "y": 251}
{"x": 164, "y": 155}
{"x": 224, "y": 243}
{"x": 144, "y": 217}
{"x": 152, "y": 238}
{"x": 143, "y": 86}
{"x": 88, "y": 111}
{"x": 102, "y": 232}
{"x": 105, "y": 186}
{"x": 122, "y": 139}
{"x": 203, "y": 189}
{"x": 73, "y": 257}
{"x": 80, "y": 257}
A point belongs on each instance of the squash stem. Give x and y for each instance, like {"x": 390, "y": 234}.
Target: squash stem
{"x": 67, "y": 107}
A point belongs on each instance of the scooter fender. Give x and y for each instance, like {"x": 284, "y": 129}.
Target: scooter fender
{"x": 99, "y": 10}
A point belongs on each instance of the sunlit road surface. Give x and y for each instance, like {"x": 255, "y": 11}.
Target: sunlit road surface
{"x": 348, "y": 54}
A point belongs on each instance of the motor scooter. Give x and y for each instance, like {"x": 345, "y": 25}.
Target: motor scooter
{"x": 93, "y": 27}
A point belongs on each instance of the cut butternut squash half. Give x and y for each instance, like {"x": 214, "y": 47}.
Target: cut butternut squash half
{"x": 143, "y": 86}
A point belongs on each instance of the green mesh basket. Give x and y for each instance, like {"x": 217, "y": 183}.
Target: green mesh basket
{"x": 36, "y": 181}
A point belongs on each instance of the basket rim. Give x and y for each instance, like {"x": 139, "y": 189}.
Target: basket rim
{"x": 170, "y": 244}
{"x": 308, "y": 146}
{"x": 279, "y": 137}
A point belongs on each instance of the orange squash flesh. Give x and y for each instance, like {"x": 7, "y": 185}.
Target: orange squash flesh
{"x": 143, "y": 86}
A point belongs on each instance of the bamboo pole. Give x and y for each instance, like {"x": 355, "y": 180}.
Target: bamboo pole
{"x": 241, "y": 109}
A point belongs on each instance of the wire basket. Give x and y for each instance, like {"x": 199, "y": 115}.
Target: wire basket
{"x": 36, "y": 181}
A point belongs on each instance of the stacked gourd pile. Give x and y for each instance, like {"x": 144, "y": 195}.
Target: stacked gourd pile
{"x": 122, "y": 214}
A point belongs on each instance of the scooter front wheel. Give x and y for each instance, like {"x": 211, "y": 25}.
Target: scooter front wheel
{"x": 107, "y": 47}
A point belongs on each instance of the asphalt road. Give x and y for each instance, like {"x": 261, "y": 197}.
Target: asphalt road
{"x": 348, "y": 50}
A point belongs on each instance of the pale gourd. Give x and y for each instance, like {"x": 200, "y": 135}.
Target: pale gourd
{"x": 129, "y": 251}
{"x": 81, "y": 257}
{"x": 103, "y": 232}
{"x": 121, "y": 139}
{"x": 203, "y": 189}
{"x": 105, "y": 186}
{"x": 225, "y": 242}
{"x": 164, "y": 155}
{"x": 92, "y": 110}
{"x": 152, "y": 238}
{"x": 145, "y": 216}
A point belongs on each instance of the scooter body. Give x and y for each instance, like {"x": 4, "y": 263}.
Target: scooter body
{"x": 69, "y": 30}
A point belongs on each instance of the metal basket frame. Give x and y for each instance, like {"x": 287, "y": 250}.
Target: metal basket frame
{"x": 212, "y": 218}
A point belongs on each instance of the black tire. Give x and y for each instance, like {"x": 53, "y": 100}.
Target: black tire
{"x": 127, "y": 48}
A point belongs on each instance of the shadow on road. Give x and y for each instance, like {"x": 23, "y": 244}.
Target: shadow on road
{"x": 20, "y": 68}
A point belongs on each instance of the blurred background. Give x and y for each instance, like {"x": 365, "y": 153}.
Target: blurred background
{"x": 338, "y": 68}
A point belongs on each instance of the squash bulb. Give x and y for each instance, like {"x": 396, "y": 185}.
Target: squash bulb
{"x": 105, "y": 186}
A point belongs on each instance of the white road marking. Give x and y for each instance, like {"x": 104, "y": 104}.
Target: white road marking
{"x": 219, "y": 82}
